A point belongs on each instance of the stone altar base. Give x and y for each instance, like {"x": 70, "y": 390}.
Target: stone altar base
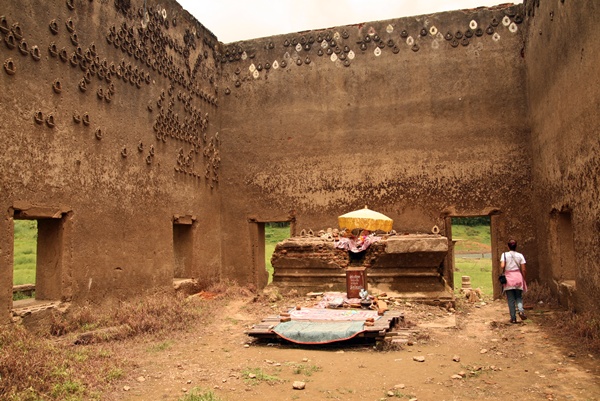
{"x": 409, "y": 265}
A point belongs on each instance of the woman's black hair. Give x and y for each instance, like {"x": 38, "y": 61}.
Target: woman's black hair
{"x": 512, "y": 245}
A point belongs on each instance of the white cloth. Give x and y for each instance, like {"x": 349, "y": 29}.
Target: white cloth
{"x": 512, "y": 260}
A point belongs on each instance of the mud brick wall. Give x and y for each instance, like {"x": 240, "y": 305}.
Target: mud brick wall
{"x": 309, "y": 263}
{"x": 419, "y": 118}
{"x": 109, "y": 126}
{"x": 562, "y": 57}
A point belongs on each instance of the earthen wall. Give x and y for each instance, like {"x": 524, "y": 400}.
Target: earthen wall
{"x": 122, "y": 118}
{"x": 418, "y": 118}
{"x": 562, "y": 57}
{"x": 109, "y": 126}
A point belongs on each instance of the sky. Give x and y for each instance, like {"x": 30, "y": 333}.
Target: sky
{"x": 233, "y": 20}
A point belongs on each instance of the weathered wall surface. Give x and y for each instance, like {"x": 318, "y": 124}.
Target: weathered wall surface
{"x": 418, "y": 118}
{"x": 110, "y": 118}
{"x": 562, "y": 57}
{"x": 116, "y": 125}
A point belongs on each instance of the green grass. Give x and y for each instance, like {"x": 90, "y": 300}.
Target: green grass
{"x": 305, "y": 369}
{"x": 114, "y": 374}
{"x": 480, "y": 271}
{"x": 197, "y": 394}
{"x": 474, "y": 239}
{"x": 25, "y": 248}
{"x": 163, "y": 346}
{"x": 255, "y": 376}
{"x": 274, "y": 233}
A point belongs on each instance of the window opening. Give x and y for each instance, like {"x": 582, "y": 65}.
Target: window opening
{"x": 24, "y": 258}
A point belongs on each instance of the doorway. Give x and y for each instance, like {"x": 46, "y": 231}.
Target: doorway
{"x": 264, "y": 236}
{"x": 472, "y": 253}
{"x": 274, "y": 232}
{"x": 48, "y": 272}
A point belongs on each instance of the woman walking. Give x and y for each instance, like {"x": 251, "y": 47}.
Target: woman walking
{"x": 513, "y": 266}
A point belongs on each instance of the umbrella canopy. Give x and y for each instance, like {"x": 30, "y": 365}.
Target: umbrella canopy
{"x": 365, "y": 219}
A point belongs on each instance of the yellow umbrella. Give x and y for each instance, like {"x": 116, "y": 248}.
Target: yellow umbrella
{"x": 365, "y": 219}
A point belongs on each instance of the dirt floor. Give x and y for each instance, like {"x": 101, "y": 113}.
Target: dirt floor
{"x": 472, "y": 354}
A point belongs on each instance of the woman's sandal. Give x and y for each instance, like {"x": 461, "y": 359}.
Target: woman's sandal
{"x": 522, "y": 316}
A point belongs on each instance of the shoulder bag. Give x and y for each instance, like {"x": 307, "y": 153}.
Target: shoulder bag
{"x": 502, "y": 277}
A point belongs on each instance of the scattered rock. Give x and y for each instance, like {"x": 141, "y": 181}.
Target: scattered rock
{"x": 141, "y": 379}
{"x": 399, "y": 386}
{"x": 304, "y": 359}
{"x": 457, "y": 377}
{"x": 419, "y": 358}
{"x": 483, "y": 351}
{"x": 251, "y": 376}
{"x": 390, "y": 394}
{"x": 456, "y": 358}
{"x": 126, "y": 388}
{"x": 298, "y": 385}
{"x": 246, "y": 345}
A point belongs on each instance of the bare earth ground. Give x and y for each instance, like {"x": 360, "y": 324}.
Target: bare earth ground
{"x": 498, "y": 361}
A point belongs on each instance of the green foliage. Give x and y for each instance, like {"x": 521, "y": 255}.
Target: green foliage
{"x": 197, "y": 394}
{"x": 25, "y": 249}
{"x": 471, "y": 221}
{"x": 274, "y": 233}
{"x": 17, "y": 296}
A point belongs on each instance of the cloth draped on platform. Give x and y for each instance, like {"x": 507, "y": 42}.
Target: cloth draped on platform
{"x": 306, "y": 332}
{"x": 356, "y": 244}
{"x": 345, "y": 314}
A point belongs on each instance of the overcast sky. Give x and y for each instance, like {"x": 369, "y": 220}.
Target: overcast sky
{"x": 233, "y": 20}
